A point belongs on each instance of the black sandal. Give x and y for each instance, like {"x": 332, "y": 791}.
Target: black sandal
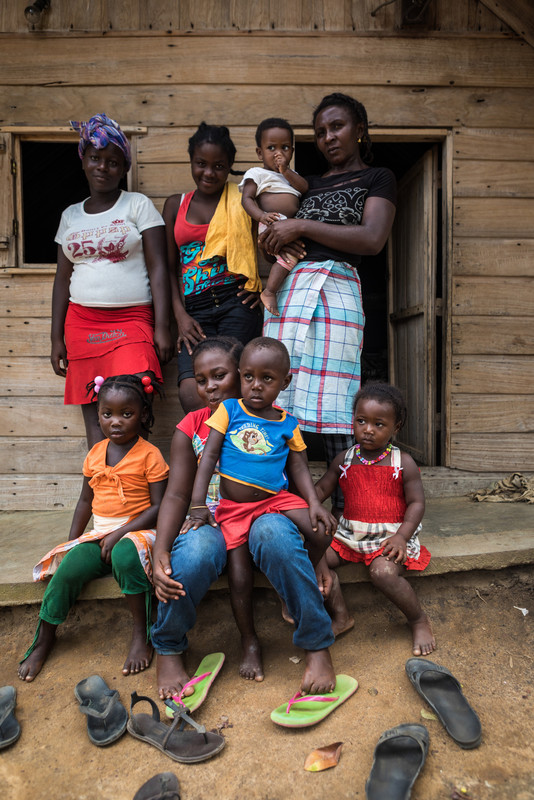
{"x": 187, "y": 747}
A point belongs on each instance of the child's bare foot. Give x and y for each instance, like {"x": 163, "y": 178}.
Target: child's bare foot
{"x": 171, "y": 676}
{"x": 335, "y": 605}
{"x": 139, "y": 655}
{"x": 423, "y": 638}
{"x": 268, "y": 299}
{"x": 285, "y": 613}
{"x": 251, "y": 666}
{"x": 32, "y": 665}
{"x": 319, "y": 676}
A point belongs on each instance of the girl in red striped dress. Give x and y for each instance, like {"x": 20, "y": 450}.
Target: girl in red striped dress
{"x": 384, "y": 506}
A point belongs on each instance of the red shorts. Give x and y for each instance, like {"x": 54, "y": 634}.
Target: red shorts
{"x": 107, "y": 341}
{"x": 356, "y": 557}
{"x": 235, "y": 519}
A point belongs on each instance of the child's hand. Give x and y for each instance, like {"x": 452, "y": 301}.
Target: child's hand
{"x": 197, "y": 518}
{"x": 395, "y": 549}
{"x": 269, "y": 216}
{"x": 106, "y": 546}
{"x": 281, "y": 163}
{"x": 318, "y": 514}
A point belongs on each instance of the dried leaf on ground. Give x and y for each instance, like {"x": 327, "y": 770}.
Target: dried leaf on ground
{"x": 428, "y": 714}
{"x": 323, "y": 757}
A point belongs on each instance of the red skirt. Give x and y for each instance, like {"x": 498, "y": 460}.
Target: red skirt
{"x": 356, "y": 557}
{"x": 107, "y": 341}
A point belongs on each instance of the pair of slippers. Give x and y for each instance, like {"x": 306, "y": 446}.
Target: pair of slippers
{"x": 9, "y": 725}
{"x": 401, "y": 751}
{"x": 107, "y": 718}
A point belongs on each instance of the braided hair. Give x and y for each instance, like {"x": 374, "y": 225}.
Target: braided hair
{"x": 383, "y": 393}
{"x": 359, "y": 116}
{"x": 134, "y": 385}
{"x": 213, "y": 134}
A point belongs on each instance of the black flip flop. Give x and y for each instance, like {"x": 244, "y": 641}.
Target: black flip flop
{"x": 399, "y": 757}
{"x": 9, "y": 726}
{"x": 177, "y": 743}
{"x": 163, "y": 786}
{"x": 443, "y": 693}
{"x": 106, "y": 716}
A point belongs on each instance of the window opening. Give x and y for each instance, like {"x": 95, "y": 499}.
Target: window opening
{"x": 51, "y": 179}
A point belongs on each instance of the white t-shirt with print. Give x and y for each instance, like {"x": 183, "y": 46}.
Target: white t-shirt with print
{"x": 106, "y": 250}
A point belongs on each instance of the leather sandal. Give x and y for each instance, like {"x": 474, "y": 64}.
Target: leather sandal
{"x": 187, "y": 747}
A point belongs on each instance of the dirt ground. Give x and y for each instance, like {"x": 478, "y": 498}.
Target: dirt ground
{"x": 482, "y": 639}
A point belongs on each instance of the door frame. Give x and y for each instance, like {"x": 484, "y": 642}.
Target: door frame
{"x": 443, "y": 136}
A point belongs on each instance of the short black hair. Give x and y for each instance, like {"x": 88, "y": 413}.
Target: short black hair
{"x": 383, "y": 393}
{"x": 358, "y": 113}
{"x": 267, "y": 343}
{"x": 273, "y": 122}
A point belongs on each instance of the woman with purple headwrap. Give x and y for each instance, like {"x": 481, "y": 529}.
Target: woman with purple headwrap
{"x": 110, "y": 301}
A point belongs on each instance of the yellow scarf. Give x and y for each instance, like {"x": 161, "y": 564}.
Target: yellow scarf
{"x": 230, "y": 235}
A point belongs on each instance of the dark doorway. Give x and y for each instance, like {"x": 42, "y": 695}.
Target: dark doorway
{"x": 52, "y": 179}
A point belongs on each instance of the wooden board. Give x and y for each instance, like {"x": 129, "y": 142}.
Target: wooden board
{"x": 23, "y": 336}
{"x": 493, "y": 217}
{"x": 503, "y": 257}
{"x": 501, "y": 144}
{"x": 493, "y": 335}
{"x": 231, "y": 105}
{"x": 26, "y": 295}
{"x": 493, "y": 452}
{"x": 242, "y": 15}
{"x": 507, "y": 297}
{"x": 507, "y": 375}
{"x": 489, "y": 413}
{"x": 493, "y": 178}
{"x": 169, "y": 145}
{"x": 475, "y": 62}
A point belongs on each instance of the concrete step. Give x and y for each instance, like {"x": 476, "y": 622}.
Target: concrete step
{"x": 460, "y": 534}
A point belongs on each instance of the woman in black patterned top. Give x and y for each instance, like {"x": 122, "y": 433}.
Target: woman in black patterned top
{"x": 347, "y": 213}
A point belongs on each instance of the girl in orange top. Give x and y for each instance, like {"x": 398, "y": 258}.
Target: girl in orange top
{"x": 124, "y": 481}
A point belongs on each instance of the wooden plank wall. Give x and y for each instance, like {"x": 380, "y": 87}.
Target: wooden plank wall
{"x": 467, "y": 74}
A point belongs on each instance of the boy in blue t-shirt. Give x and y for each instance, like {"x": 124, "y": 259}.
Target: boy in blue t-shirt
{"x": 254, "y": 441}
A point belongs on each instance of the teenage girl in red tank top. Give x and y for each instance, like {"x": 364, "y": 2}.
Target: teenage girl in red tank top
{"x": 384, "y": 506}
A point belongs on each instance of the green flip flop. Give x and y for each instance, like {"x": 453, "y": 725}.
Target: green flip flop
{"x": 207, "y": 671}
{"x": 309, "y": 709}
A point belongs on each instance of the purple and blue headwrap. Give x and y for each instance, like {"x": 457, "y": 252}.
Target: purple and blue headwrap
{"x": 100, "y": 131}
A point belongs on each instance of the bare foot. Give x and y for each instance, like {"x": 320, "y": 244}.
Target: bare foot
{"x": 319, "y": 676}
{"x": 335, "y": 605}
{"x": 339, "y": 627}
{"x": 171, "y": 676}
{"x": 32, "y": 665}
{"x": 268, "y": 299}
{"x": 423, "y": 638}
{"x": 139, "y": 655}
{"x": 285, "y": 613}
{"x": 251, "y": 666}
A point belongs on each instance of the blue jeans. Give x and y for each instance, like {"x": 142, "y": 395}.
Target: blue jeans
{"x": 198, "y": 558}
